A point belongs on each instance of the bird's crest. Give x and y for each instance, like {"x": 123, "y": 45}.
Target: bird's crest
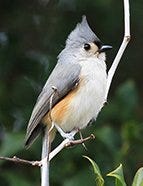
{"x": 81, "y": 34}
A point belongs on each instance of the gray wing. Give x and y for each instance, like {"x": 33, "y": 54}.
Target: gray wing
{"x": 64, "y": 77}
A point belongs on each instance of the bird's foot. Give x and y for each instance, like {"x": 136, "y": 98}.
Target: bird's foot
{"x": 67, "y": 135}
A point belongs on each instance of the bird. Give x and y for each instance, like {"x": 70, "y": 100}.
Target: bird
{"x": 74, "y": 93}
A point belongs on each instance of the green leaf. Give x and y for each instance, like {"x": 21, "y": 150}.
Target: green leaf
{"x": 119, "y": 176}
{"x": 99, "y": 179}
{"x": 138, "y": 179}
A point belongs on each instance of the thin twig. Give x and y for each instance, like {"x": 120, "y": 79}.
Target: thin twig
{"x": 68, "y": 143}
{"x": 81, "y": 137}
{"x": 123, "y": 46}
{"x": 65, "y": 143}
{"x": 51, "y": 102}
{"x": 79, "y": 141}
{"x": 21, "y": 161}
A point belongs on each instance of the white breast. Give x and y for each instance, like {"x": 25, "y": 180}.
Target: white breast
{"x": 90, "y": 97}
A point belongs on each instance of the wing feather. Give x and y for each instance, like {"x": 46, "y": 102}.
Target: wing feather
{"x": 64, "y": 77}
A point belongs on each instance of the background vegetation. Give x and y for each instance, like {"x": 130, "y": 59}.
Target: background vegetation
{"x": 32, "y": 33}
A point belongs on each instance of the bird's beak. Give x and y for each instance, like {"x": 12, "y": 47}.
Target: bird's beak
{"x": 104, "y": 48}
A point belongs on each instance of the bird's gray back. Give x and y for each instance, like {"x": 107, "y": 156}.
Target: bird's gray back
{"x": 64, "y": 77}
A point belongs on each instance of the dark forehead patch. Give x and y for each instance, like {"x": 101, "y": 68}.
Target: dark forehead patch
{"x": 98, "y": 43}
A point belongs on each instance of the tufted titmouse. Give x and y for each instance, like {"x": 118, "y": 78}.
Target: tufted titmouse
{"x": 75, "y": 91}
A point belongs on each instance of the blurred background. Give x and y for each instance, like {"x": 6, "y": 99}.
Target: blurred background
{"x": 32, "y": 33}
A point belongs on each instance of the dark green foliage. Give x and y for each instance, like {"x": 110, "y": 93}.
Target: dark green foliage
{"x": 117, "y": 174}
{"x": 31, "y": 36}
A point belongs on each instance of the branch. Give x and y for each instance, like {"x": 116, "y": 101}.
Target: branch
{"x": 43, "y": 162}
{"x": 21, "y": 161}
{"x": 123, "y": 46}
{"x": 45, "y": 155}
{"x": 68, "y": 143}
{"x": 46, "y": 147}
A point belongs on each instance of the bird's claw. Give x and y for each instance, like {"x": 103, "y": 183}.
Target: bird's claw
{"x": 66, "y": 135}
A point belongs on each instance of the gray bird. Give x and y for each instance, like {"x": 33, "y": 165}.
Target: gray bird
{"x": 75, "y": 91}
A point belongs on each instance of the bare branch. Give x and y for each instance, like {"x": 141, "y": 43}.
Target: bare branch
{"x": 46, "y": 146}
{"x": 45, "y": 155}
{"x": 64, "y": 144}
{"x": 123, "y": 46}
{"x": 67, "y": 143}
{"x": 21, "y": 161}
{"x": 79, "y": 141}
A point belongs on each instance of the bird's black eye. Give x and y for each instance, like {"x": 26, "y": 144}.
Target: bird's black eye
{"x": 87, "y": 46}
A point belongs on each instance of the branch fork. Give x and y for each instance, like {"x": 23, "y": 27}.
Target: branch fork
{"x": 64, "y": 144}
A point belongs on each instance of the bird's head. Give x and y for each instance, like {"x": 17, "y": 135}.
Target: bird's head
{"x": 82, "y": 41}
